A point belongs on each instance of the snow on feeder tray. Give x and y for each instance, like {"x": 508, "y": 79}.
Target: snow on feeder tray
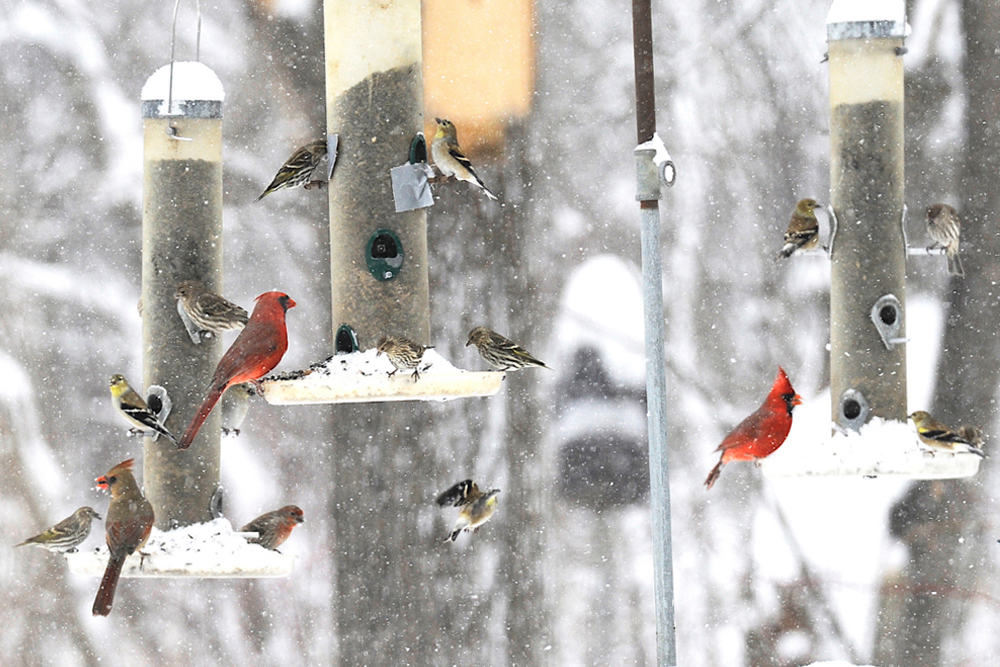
{"x": 881, "y": 447}
{"x": 363, "y": 377}
{"x": 210, "y": 550}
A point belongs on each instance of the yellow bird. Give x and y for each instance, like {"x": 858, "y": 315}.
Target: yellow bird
{"x": 939, "y": 437}
{"x": 477, "y": 506}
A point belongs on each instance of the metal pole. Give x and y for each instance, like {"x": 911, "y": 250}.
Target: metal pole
{"x": 868, "y": 252}
{"x": 652, "y": 298}
{"x": 181, "y": 240}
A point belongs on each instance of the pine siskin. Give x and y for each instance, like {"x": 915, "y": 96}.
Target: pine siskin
{"x": 500, "y": 353}
{"x": 941, "y": 438}
{"x": 306, "y": 162}
{"x": 803, "y": 230}
{"x": 404, "y": 354}
{"x": 235, "y": 404}
{"x": 67, "y": 535}
{"x": 134, "y": 409}
{"x": 204, "y": 311}
{"x": 477, "y": 506}
{"x": 274, "y": 527}
{"x": 450, "y": 160}
{"x": 945, "y": 228}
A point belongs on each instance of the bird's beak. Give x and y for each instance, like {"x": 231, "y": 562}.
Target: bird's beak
{"x": 439, "y": 121}
{"x": 796, "y": 400}
{"x": 98, "y": 516}
{"x": 102, "y": 483}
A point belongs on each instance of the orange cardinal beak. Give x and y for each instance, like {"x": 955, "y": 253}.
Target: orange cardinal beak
{"x": 102, "y": 483}
{"x": 796, "y": 400}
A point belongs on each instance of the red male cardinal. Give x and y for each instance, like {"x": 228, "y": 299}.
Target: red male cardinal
{"x": 127, "y": 526}
{"x": 254, "y": 353}
{"x": 761, "y": 433}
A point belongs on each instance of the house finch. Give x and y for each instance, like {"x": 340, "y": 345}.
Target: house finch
{"x": 477, "y": 506}
{"x": 500, "y": 353}
{"x": 257, "y": 350}
{"x": 67, "y": 535}
{"x": 760, "y": 434}
{"x": 404, "y": 354}
{"x": 204, "y": 311}
{"x": 944, "y": 227}
{"x": 274, "y": 527}
{"x": 939, "y": 437}
{"x": 235, "y": 404}
{"x": 135, "y": 410}
{"x": 130, "y": 519}
{"x": 803, "y": 230}
{"x": 298, "y": 170}
{"x": 450, "y": 160}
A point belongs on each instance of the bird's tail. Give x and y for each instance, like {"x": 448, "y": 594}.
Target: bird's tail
{"x": 199, "y": 418}
{"x": 109, "y": 582}
{"x": 714, "y": 475}
{"x": 955, "y": 264}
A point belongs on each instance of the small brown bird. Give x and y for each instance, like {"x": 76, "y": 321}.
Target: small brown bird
{"x": 206, "y": 313}
{"x": 403, "y": 353}
{"x": 67, "y": 535}
{"x": 803, "y": 230}
{"x": 945, "y": 228}
{"x": 274, "y": 527}
{"x": 939, "y": 437}
{"x": 307, "y": 162}
{"x": 477, "y": 506}
{"x": 130, "y": 520}
{"x": 450, "y": 160}
{"x": 499, "y": 352}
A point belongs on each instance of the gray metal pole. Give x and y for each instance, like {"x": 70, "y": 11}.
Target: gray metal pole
{"x": 181, "y": 240}
{"x": 652, "y": 300}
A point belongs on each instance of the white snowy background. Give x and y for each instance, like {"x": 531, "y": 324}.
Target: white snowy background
{"x": 742, "y": 106}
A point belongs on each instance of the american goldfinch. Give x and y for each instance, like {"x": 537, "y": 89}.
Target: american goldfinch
{"x": 404, "y": 354}
{"x": 235, "y": 404}
{"x": 477, "y": 506}
{"x": 760, "y": 434}
{"x": 299, "y": 170}
{"x": 274, "y": 527}
{"x": 500, "y": 353}
{"x": 450, "y": 160}
{"x": 939, "y": 437}
{"x": 945, "y": 228}
{"x": 204, "y": 311}
{"x": 803, "y": 230}
{"x": 67, "y": 535}
{"x": 130, "y": 520}
{"x": 135, "y": 410}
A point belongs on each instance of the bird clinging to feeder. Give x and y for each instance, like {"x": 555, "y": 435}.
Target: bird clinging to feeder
{"x": 945, "y": 229}
{"x": 477, "y": 506}
{"x": 803, "y": 230}
{"x": 450, "y": 160}
{"x": 307, "y": 162}
{"x": 205, "y": 311}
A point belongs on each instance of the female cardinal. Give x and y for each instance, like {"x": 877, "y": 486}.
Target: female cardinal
{"x": 761, "y": 433}
{"x": 127, "y": 526}
{"x": 257, "y": 350}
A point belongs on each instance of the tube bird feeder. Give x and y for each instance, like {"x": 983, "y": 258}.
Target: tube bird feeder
{"x": 868, "y": 265}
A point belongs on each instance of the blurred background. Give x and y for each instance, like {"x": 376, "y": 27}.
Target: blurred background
{"x": 782, "y": 572}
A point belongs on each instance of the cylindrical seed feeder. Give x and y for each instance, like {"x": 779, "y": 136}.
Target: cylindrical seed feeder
{"x": 868, "y": 258}
{"x": 181, "y": 240}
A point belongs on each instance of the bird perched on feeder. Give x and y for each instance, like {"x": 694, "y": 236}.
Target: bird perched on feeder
{"x": 760, "y": 434}
{"x": 939, "y": 437}
{"x": 803, "y": 230}
{"x": 477, "y": 506}
{"x": 403, "y": 354}
{"x": 450, "y": 160}
{"x": 130, "y": 520}
{"x": 298, "y": 170}
{"x": 206, "y": 312}
{"x": 499, "y": 352}
{"x": 254, "y": 353}
{"x": 67, "y": 535}
{"x": 235, "y": 404}
{"x": 273, "y": 528}
{"x": 945, "y": 228}
{"x": 137, "y": 411}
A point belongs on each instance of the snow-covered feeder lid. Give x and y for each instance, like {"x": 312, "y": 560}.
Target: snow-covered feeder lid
{"x": 866, "y": 19}
{"x": 206, "y": 550}
{"x": 196, "y": 93}
{"x": 363, "y": 377}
